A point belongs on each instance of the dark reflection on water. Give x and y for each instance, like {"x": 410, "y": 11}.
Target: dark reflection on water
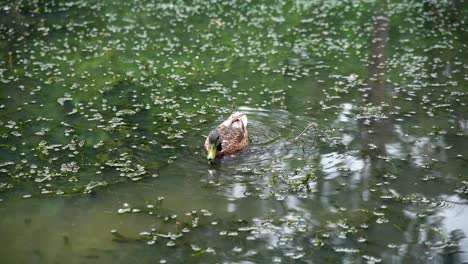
{"x": 357, "y": 123}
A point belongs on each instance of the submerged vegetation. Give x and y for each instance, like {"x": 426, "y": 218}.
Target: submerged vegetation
{"x": 357, "y": 121}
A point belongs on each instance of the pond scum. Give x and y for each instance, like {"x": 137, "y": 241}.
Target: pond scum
{"x": 357, "y": 117}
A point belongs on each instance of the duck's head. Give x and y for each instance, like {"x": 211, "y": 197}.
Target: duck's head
{"x": 214, "y": 144}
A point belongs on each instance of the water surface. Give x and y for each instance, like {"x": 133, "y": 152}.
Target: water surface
{"x": 357, "y": 120}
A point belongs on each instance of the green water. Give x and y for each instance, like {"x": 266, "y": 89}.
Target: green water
{"x": 358, "y": 129}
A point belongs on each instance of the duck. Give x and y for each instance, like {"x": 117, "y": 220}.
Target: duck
{"x": 228, "y": 138}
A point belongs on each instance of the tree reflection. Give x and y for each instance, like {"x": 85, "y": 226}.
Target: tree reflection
{"x": 421, "y": 231}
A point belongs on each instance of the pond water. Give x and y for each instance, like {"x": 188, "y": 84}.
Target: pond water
{"x": 358, "y": 129}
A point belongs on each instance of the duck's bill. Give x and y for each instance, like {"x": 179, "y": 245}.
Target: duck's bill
{"x": 211, "y": 153}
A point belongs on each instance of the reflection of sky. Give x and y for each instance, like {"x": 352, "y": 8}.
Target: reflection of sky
{"x": 394, "y": 150}
{"x": 456, "y": 217}
{"x": 332, "y": 161}
{"x": 345, "y": 113}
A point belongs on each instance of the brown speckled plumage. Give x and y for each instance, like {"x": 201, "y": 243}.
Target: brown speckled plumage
{"x": 233, "y": 133}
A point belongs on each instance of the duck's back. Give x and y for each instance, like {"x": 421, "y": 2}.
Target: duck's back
{"x": 234, "y": 133}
